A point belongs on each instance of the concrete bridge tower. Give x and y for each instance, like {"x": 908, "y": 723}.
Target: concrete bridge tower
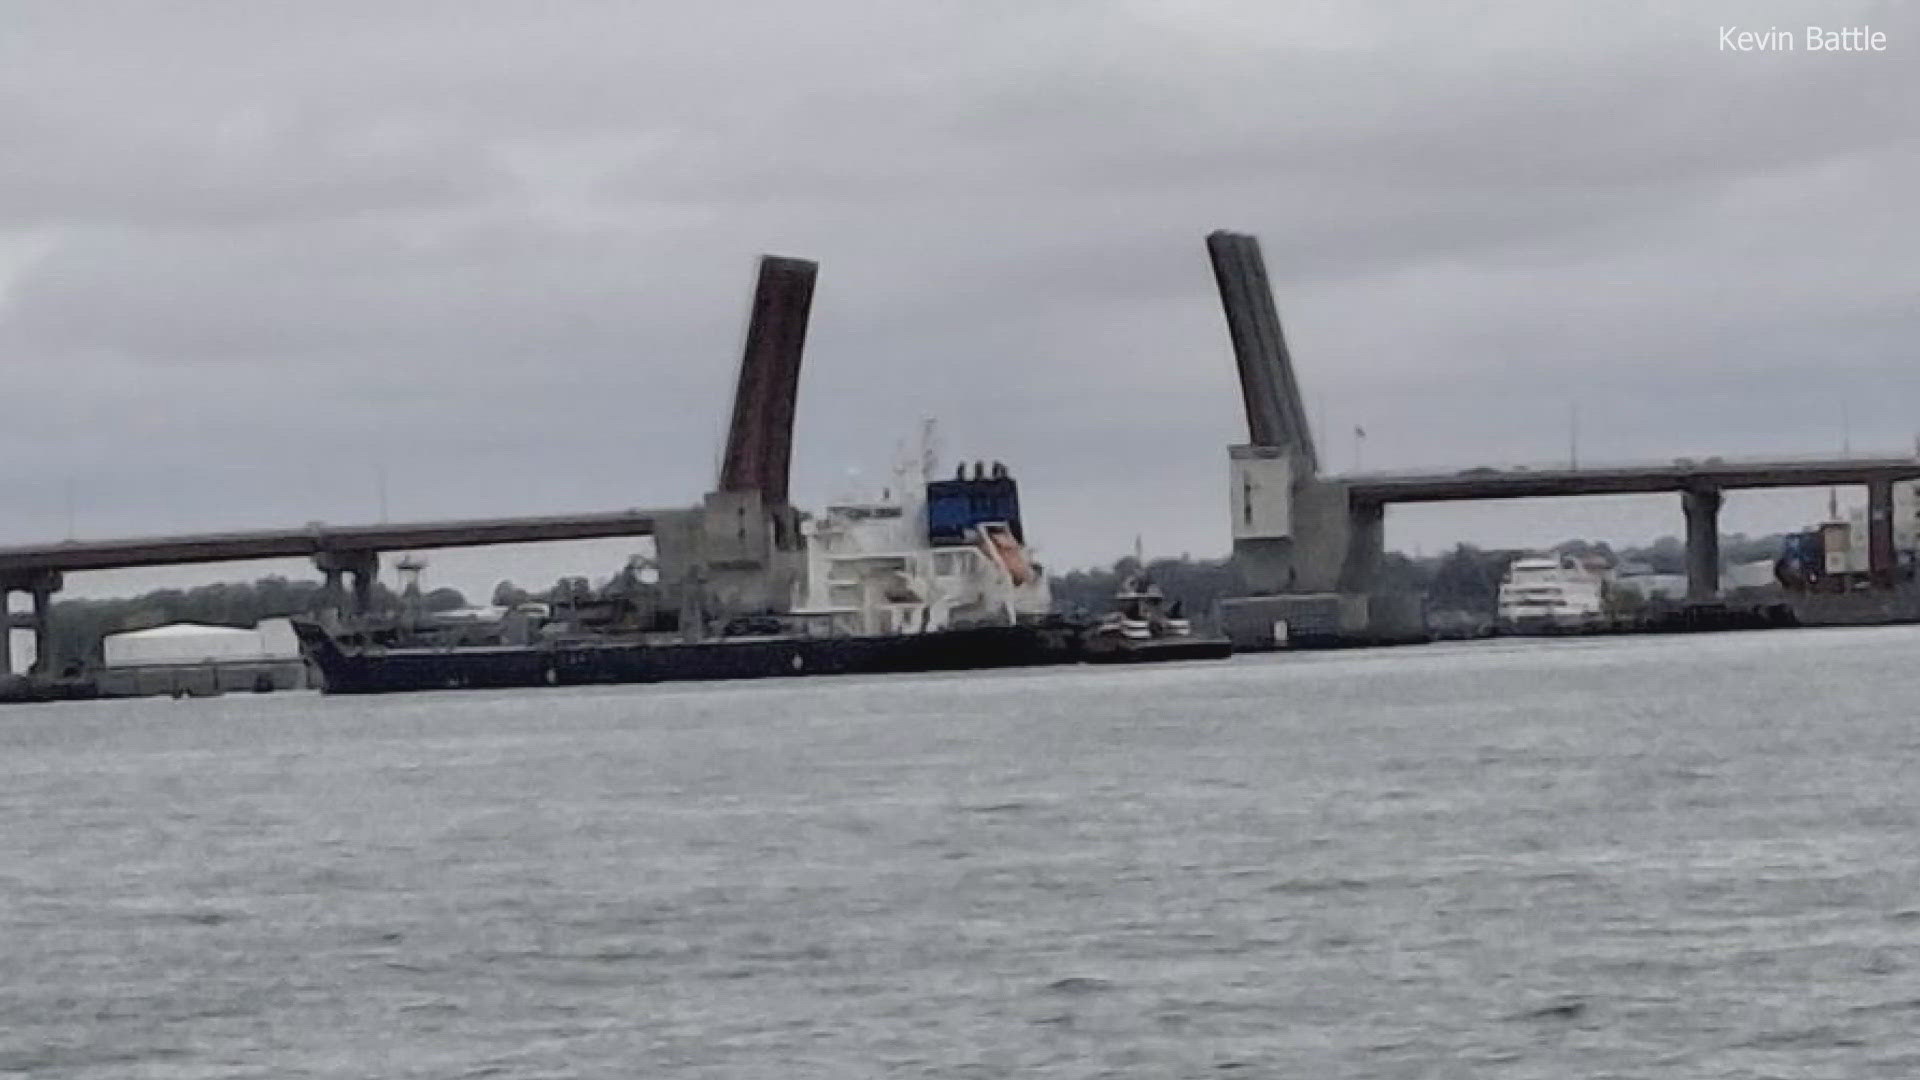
{"x": 1308, "y": 552}
{"x": 740, "y": 553}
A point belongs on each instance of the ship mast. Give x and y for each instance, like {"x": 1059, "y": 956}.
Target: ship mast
{"x": 929, "y": 449}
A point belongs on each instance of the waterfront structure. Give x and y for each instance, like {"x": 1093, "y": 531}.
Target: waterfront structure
{"x": 1310, "y": 546}
{"x": 194, "y": 659}
{"x": 1855, "y": 557}
{"x": 732, "y": 554}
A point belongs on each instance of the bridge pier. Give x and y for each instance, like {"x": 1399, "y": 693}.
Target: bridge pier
{"x": 43, "y": 590}
{"x": 1881, "y": 558}
{"x": 1702, "y": 507}
{"x": 1308, "y": 550}
{"x": 41, "y": 585}
{"x": 9, "y": 622}
{"x": 1334, "y": 543}
{"x": 359, "y": 569}
{"x": 333, "y": 591}
{"x": 1366, "y": 548}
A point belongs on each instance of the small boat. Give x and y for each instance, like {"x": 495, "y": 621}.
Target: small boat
{"x": 1144, "y": 625}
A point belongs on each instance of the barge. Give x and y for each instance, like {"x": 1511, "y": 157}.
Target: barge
{"x": 349, "y": 668}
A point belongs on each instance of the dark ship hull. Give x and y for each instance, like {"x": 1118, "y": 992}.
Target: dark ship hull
{"x": 1106, "y": 649}
{"x": 351, "y": 668}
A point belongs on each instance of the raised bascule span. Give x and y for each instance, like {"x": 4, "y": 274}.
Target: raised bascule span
{"x": 1310, "y": 545}
{"x": 760, "y": 440}
{"x": 731, "y": 553}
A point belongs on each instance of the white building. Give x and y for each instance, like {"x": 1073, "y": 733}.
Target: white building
{"x": 191, "y": 658}
{"x": 195, "y": 643}
{"x": 1651, "y": 586}
{"x": 1749, "y": 575}
{"x": 20, "y": 651}
{"x": 1906, "y": 530}
{"x": 1647, "y": 585}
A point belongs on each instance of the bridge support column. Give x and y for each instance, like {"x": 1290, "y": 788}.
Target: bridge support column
{"x": 43, "y": 590}
{"x": 40, "y": 585}
{"x": 1702, "y": 506}
{"x": 1366, "y": 548}
{"x": 6, "y": 628}
{"x": 1881, "y": 560}
{"x": 364, "y": 578}
{"x": 362, "y": 571}
{"x": 333, "y": 590}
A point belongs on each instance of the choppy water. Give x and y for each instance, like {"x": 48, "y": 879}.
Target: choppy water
{"x": 1689, "y": 857}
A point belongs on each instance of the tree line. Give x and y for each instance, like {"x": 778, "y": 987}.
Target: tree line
{"x": 79, "y": 626}
{"x": 1465, "y": 579}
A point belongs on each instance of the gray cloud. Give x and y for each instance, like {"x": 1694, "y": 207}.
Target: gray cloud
{"x": 246, "y": 255}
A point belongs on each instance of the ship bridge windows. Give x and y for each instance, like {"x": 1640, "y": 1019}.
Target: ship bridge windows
{"x": 865, "y": 513}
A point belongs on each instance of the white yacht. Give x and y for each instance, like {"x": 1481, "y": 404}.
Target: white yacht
{"x": 1551, "y": 592}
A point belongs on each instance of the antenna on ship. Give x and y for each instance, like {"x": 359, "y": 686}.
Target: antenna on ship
{"x": 410, "y": 567}
{"x": 1846, "y": 450}
{"x": 411, "y": 594}
{"x": 929, "y": 448}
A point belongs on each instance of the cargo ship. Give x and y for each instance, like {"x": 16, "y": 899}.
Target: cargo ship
{"x": 931, "y": 575}
{"x": 349, "y": 666}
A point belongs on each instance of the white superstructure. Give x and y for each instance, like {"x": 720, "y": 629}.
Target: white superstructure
{"x": 871, "y": 569}
{"x": 1551, "y": 592}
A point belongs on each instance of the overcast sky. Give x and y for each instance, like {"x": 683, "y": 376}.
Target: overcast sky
{"x": 253, "y": 254}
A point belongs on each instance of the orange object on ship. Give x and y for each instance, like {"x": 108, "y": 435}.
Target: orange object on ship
{"x": 1010, "y": 555}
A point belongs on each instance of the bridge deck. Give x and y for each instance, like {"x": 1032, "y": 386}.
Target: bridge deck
{"x": 316, "y": 539}
{"x": 1623, "y": 480}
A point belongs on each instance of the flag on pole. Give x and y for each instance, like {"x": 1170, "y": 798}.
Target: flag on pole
{"x": 1359, "y": 432}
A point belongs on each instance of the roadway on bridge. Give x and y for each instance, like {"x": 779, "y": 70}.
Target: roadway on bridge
{"x": 321, "y": 539}
{"x": 1510, "y": 483}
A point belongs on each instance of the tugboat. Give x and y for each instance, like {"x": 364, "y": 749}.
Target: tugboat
{"x": 1144, "y": 626}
